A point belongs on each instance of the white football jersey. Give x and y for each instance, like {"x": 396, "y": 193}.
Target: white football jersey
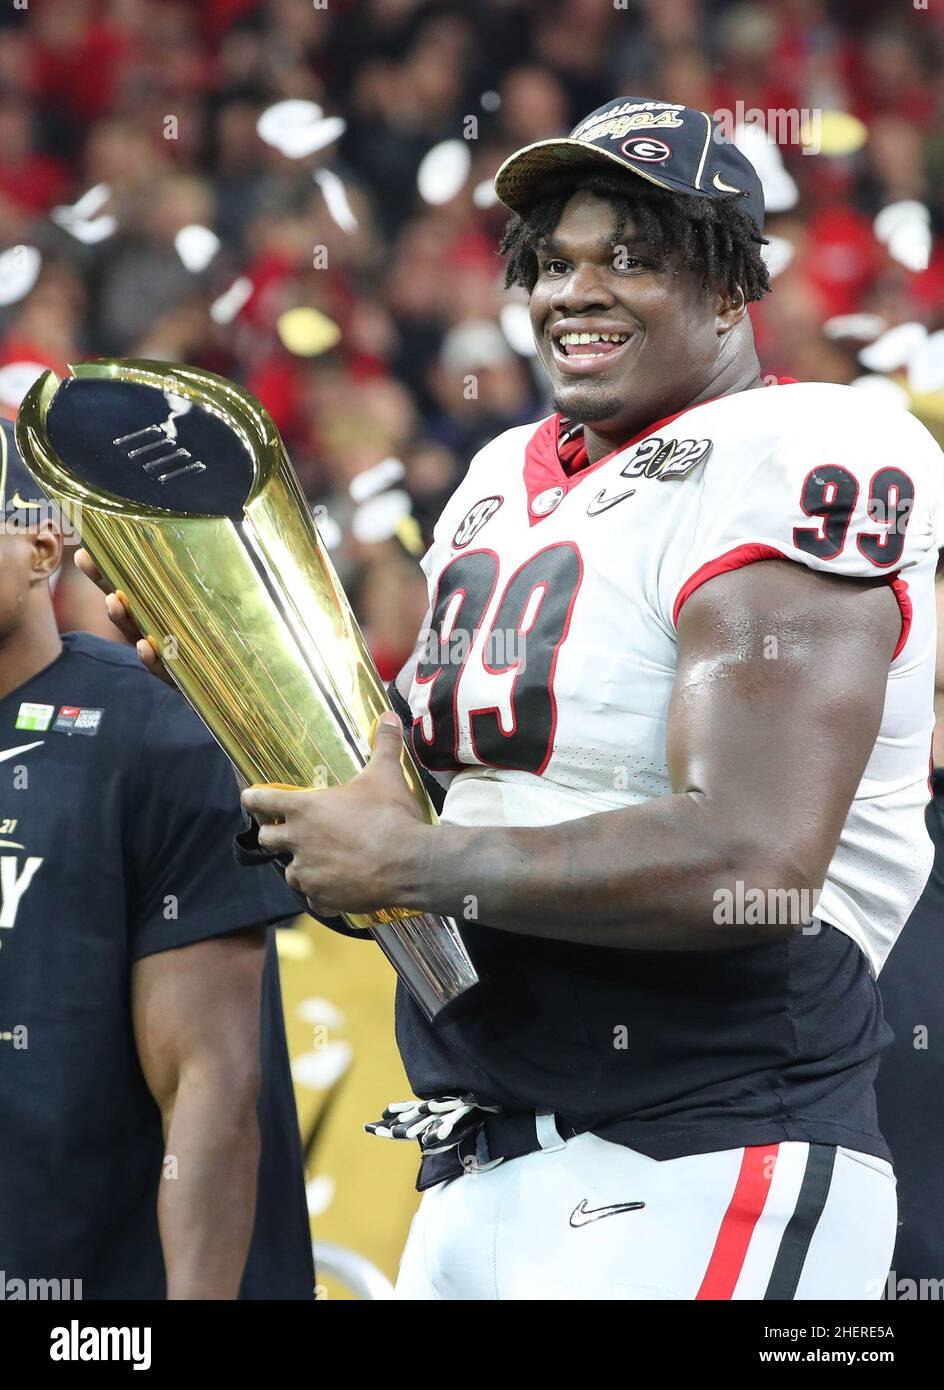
{"x": 546, "y": 677}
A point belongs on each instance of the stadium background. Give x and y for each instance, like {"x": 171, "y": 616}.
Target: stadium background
{"x": 338, "y": 259}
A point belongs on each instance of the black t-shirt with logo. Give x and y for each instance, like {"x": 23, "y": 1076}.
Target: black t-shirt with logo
{"x": 117, "y": 813}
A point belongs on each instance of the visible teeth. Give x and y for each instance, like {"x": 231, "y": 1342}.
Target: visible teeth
{"x": 579, "y": 339}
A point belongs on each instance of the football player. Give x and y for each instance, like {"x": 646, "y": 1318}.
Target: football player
{"x": 677, "y": 677}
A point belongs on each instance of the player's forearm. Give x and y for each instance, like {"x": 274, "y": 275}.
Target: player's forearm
{"x": 207, "y": 1200}
{"x": 650, "y": 877}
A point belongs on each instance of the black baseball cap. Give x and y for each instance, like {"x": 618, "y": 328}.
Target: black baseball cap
{"x": 674, "y": 147}
{"x": 21, "y": 497}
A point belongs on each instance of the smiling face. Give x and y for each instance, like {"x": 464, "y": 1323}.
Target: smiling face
{"x": 626, "y": 333}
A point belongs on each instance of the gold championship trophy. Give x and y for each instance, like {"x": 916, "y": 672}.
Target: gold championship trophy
{"x": 184, "y": 495}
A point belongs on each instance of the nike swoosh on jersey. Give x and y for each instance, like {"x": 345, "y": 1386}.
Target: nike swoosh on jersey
{"x": 6, "y": 753}
{"x": 601, "y": 502}
{"x": 582, "y": 1215}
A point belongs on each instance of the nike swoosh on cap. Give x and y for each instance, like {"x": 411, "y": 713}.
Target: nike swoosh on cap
{"x": 22, "y": 504}
{"x": 723, "y": 187}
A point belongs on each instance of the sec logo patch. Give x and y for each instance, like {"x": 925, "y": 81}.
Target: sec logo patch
{"x": 474, "y": 519}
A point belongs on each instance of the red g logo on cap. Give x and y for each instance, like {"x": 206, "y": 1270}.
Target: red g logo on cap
{"x": 645, "y": 149}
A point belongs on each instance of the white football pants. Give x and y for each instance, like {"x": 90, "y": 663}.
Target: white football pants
{"x": 588, "y": 1219}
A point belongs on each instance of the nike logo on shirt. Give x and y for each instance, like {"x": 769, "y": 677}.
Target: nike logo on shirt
{"x": 6, "y": 753}
{"x": 582, "y": 1214}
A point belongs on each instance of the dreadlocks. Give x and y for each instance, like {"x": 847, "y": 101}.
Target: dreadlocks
{"x": 707, "y": 234}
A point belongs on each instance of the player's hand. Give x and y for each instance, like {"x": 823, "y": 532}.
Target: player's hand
{"x": 354, "y": 848}
{"x": 118, "y": 612}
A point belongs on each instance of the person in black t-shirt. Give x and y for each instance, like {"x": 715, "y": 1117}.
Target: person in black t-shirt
{"x": 149, "y": 1144}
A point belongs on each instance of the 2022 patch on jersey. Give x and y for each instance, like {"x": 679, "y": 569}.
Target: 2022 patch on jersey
{"x": 545, "y": 679}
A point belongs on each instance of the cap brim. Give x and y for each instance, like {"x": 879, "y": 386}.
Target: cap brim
{"x": 520, "y": 179}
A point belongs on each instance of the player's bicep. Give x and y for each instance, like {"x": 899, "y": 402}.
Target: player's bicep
{"x": 197, "y": 1008}
{"x": 778, "y": 701}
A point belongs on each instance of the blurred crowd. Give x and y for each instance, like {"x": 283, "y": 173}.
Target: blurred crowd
{"x": 124, "y": 122}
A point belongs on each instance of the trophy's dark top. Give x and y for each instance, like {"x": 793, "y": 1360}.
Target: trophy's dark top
{"x": 134, "y": 441}
{"x": 120, "y": 807}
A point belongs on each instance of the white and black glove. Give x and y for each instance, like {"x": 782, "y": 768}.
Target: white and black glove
{"x": 438, "y": 1125}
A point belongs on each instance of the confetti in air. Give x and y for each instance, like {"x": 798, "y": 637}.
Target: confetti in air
{"x": 298, "y": 128}
{"x": 227, "y": 306}
{"x": 443, "y": 171}
{"x": 196, "y": 246}
{"x": 19, "y": 269}
{"x": 336, "y": 200}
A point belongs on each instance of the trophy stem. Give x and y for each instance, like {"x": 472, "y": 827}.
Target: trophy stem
{"x": 416, "y": 947}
